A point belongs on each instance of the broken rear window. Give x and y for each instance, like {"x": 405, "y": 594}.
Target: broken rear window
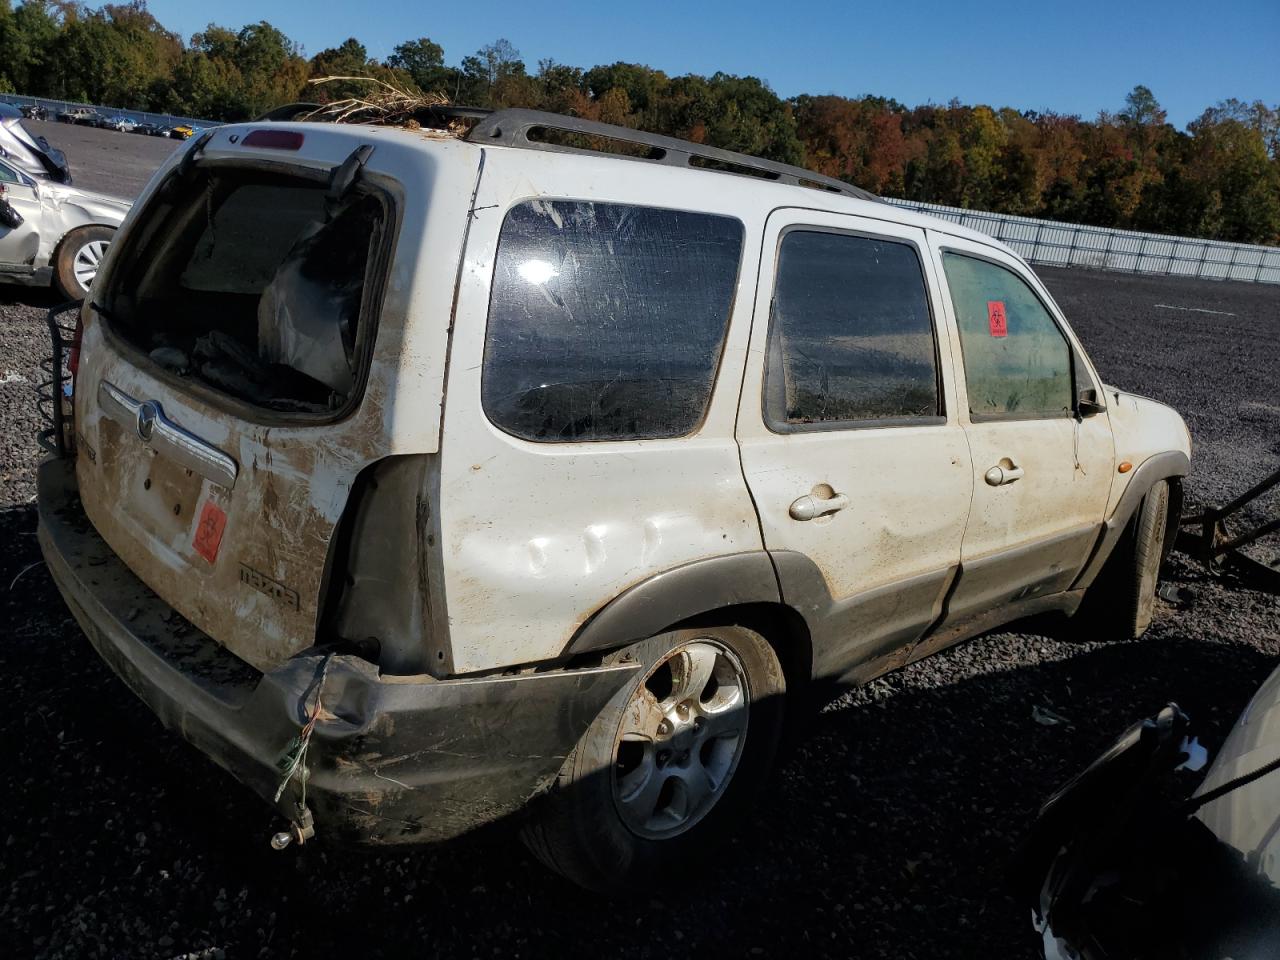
{"x": 606, "y": 321}
{"x": 253, "y": 284}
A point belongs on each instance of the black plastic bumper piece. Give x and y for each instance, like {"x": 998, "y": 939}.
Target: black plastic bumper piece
{"x": 391, "y": 760}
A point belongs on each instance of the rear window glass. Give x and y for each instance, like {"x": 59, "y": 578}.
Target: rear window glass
{"x": 606, "y": 321}
{"x": 253, "y": 285}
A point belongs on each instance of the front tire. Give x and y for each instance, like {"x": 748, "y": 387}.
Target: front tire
{"x": 78, "y": 258}
{"x": 669, "y": 764}
{"x": 1124, "y": 596}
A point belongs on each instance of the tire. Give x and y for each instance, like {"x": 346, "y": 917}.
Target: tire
{"x": 78, "y": 257}
{"x": 1122, "y": 601}
{"x": 633, "y": 800}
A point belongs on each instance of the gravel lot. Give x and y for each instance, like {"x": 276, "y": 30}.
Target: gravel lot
{"x": 107, "y": 161}
{"x": 887, "y": 834}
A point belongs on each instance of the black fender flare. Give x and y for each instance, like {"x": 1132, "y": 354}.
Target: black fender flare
{"x": 1170, "y": 465}
{"x": 673, "y": 596}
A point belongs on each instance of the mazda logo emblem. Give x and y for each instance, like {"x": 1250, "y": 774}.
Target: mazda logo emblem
{"x": 148, "y": 411}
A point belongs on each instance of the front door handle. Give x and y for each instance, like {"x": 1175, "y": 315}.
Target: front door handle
{"x": 810, "y": 507}
{"x": 1000, "y": 474}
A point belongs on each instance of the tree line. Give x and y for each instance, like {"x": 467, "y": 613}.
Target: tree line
{"x": 1218, "y": 178}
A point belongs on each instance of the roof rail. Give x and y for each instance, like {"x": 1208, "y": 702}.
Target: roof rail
{"x": 512, "y": 128}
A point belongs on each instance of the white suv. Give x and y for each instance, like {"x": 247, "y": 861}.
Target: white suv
{"x": 426, "y": 481}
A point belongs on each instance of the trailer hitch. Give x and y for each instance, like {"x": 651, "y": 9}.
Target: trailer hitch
{"x": 1206, "y": 537}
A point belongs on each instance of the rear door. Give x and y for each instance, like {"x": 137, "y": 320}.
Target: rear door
{"x": 850, "y": 440}
{"x": 1041, "y": 475}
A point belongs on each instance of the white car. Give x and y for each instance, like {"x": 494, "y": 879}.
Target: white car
{"x": 59, "y": 235}
{"x": 425, "y": 481}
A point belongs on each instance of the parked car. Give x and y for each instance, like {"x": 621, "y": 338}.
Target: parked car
{"x": 61, "y": 235}
{"x": 79, "y": 115}
{"x": 116, "y": 122}
{"x": 1127, "y": 861}
{"x": 33, "y": 111}
{"x": 30, "y": 152}
{"x": 151, "y": 129}
{"x": 182, "y": 131}
{"x": 425, "y": 480}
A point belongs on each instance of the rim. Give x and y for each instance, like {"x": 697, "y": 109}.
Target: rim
{"x": 680, "y": 739}
{"x": 88, "y": 258}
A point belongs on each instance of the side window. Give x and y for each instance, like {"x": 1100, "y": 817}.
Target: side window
{"x": 1016, "y": 360}
{"x": 7, "y": 175}
{"x": 606, "y": 321}
{"x": 851, "y": 338}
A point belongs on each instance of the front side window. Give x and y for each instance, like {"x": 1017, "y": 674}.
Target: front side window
{"x": 1016, "y": 360}
{"x": 851, "y": 338}
{"x": 606, "y": 321}
{"x": 7, "y": 175}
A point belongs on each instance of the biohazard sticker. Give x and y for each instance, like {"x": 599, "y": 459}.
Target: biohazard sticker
{"x": 996, "y": 318}
{"x": 209, "y": 531}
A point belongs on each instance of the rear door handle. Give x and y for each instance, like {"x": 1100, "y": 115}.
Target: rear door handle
{"x": 810, "y": 507}
{"x": 999, "y": 475}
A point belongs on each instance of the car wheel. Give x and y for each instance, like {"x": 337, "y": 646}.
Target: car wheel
{"x": 1123, "y": 598}
{"x": 669, "y": 764}
{"x": 78, "y": 258}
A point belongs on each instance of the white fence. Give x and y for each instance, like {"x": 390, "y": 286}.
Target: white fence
{"x": 137, "y": 116}
{"x": 1068, "y": 245}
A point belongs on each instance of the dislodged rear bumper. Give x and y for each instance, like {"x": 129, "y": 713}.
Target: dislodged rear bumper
{"x": 391, "y": 760}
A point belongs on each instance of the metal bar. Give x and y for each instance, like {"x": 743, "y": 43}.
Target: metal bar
{"x": 511, "y": 128}
{"x": 1247, "y": 538}
{"x": 1251, "y": 494}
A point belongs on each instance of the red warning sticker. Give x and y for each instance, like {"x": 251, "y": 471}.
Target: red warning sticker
{"x": 996, "y": 318}
{"x": 209, "y": 531}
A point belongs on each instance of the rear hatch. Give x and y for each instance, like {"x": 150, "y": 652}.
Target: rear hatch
{"x": 240, "y": 361}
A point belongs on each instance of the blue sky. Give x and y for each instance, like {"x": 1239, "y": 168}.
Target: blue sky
{"x": 1078, "y": 57}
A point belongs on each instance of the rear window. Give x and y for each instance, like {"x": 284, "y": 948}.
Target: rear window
{"x": 606, "y": 321}
{"x": 253, "y": 285}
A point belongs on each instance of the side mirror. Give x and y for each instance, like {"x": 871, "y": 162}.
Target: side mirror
{"x": 1088, "y": 404}
{"x": 9, "y": 217}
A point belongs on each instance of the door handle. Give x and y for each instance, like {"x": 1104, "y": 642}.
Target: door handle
{"x": 810, "y": 507}
{"x": 999, "y": 475}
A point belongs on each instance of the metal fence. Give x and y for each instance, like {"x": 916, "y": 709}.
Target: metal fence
{"x": 137, "y": 116}
{"x": 1127, "y": 251}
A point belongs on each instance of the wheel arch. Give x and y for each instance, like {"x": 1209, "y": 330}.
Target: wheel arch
{"x": 737, "y": 589}
{"x": 1172, "y": 466}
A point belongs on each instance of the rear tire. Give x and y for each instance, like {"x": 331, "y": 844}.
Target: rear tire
{"x": 631, "y": 802}
{"x": 1122, "y": 601}
{"x": 78, "y": 258}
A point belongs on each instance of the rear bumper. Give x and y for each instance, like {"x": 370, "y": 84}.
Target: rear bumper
{"x": 392, "y": 760}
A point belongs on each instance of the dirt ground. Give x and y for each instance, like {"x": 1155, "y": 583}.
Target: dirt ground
{"x": 886, "y": 835}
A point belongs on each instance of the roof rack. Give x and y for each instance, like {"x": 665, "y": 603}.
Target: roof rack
{"x": 512, "y": 128}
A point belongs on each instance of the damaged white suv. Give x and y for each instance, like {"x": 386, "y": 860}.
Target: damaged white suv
{"x": 426, "y": 481}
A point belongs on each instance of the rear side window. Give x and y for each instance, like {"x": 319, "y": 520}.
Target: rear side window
{"x": 851, "y": 337}
{"x": 1016, "y": 361}
{"x": 606, "y": 321}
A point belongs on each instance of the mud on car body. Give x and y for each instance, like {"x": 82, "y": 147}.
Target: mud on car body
{"x": 426, "y": 480}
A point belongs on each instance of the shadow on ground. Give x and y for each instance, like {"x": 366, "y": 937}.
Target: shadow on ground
{"x": 886, "y": 834}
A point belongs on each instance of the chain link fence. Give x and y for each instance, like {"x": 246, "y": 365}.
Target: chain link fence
{"x": 1127, "y": 251}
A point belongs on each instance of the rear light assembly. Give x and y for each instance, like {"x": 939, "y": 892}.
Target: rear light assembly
{"x": 73, "y": 352}
{"x": 274, "y": 139}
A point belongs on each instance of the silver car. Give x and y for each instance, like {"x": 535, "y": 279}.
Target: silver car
{"x": 28, "y": 151}
{"x": 53, "y": 233}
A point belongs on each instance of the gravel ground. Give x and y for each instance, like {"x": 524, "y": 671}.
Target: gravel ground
{"x": 886, "y": 835}
{"x": 106, "y": 161}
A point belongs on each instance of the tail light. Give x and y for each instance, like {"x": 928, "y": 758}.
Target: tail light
{"x": 73, "y": 352}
